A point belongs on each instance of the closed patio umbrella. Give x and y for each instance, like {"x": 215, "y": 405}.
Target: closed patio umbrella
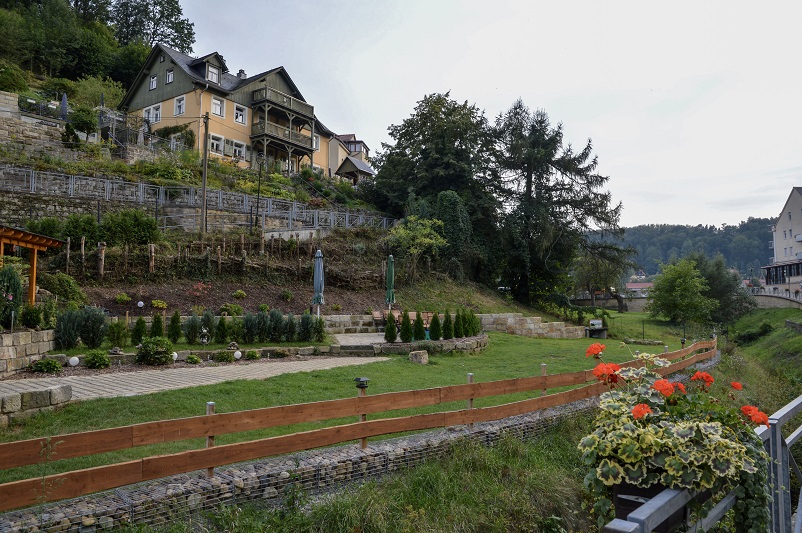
{"x": 389, "y": 297}
{"x": 318, "y": 281}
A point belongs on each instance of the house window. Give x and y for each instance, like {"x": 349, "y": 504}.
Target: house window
{"x": 238, "y": 150}
{"x": 789, "y": 215}
{"x": 153, "y": 114}
{"x": 179, "y": 105}
{"x": 216, "y": 144}
{"x": 153, "y": 80}
{"x": 213, "y": 74}
{"x": 217, "y": 107}
{"x": 239, "y": 114}
{"x": 169, "y": 76}
{"x": 784, "y": 237}
{"x": 161, "y": 59}
{"x": 316, "y": 142}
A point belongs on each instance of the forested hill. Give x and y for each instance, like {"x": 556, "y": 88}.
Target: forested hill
{"x": 745, "y": 246}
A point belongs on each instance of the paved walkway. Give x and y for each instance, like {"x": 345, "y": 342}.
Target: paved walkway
{"x": 157, "y": 380}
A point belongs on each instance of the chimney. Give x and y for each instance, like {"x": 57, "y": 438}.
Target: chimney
{"x": 241, "y": 74}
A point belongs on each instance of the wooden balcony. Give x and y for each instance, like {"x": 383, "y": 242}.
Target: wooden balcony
{"x": 283, "y": 100}
{"x": 283, "y": 133}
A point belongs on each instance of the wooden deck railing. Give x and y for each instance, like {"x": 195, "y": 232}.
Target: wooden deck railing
{"x": 26, "y": 492}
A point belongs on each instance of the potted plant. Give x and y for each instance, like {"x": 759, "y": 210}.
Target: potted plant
{"x": 651, "y": 434}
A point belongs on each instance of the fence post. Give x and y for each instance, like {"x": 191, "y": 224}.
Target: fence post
{"x": 151, "y": 258}
{"x": 101, "y": 260}
{"x": 210, "y": 438}
{"x": 67, "y": 266}
{"x": 83, "y": 257}
{"x": 470, "y": 400}
{"x": 362, "y": 391}
{"x": 543, "y": 373}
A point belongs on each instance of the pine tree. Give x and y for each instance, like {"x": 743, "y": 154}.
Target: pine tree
{"x": 418, "y": 331}
{"x": 139, "y": 331}
{"x": 448, "y": 326}
{"x": 174, "y": 329}
{"x": 320, "y": 329}
{"x": 221, "y": 331}
{"x": 290, "y": 327}
{"x": 157, "y": 326}
{"x": 406, "y": 328}
{"x": 459, "y": 331}
{"x": 435, "y": 330}
{"x": 390, "y": 331}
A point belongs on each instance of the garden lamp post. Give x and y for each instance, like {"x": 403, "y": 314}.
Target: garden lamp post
{"x": 260, "y": 158}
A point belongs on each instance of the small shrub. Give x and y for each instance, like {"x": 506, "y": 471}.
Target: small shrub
{"x": 68, "y": 329}
{"x": 117, "y": 334}
{"x": 97, "y": 359}
{"x": 139, "y": 331}
{"x": 209, "y": 322}
{"x": 158, "y": 304}
{"x": 235, "y": 330}
{"x": 406, "y": 328}
{"x": 252, "y": 355}
{"x": 193, "y": 359}
{"x": 263, "y": 308}
{"x": 31, "y": 316}
{"x": 155, "y": 351}
{"x": 250, "y": 328}
{"x": 320, "y": 329}
{"x": 157, "y": 326}
{"x": 10, "y": 294}
{"x": 231, "y": 309}
{"x": 279, "y": 354}
{"x": 221, "y": 332}
{"x": 290, "y": 327}
{"x": 46, "y": 365}
{"x": 93, "y": 326}
{"x": 448, "y": 326}
{"x": 122, "y": 298}
{"x": 174, "y": 329}
{"x": 262, "y": 326}
{"x": 276, "y": 329}
{"x": 305, "y": 327}
{"x": 390, "y": 331}
{"x": 224, "y": 356}
{"x": 336, "y": 307}
{"x": 197, "y": 309}
{"x": 63, "y": 286}
{"x": 435, "y": 330}
{"x": 458, "y": 325}
{"x": 49, "y": 313}
{"x": 192, "y": 328}
{"x": 286, "y": 295}
{"x": 418, "y": 331}
{"x": 238, "y": 294}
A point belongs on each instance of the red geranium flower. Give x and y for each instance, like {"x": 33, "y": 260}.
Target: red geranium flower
{"x": 640, "y": 410}
{"x": 595, "y": 350}
{"x": 681, "y": 387}
{"x": 703, "y": 376}
{"x": 664, "y": 386}
{"x": 755, "y": 415}
{"x": 737, "y": 386}
{"x": 606, "y": 372}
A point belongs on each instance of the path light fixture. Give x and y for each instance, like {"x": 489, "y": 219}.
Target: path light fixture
{"x": 237, "y": 355}
{"x": 74, "y": 361}
{"x": 175, "y": 356}
{"x": 361, "y": 383}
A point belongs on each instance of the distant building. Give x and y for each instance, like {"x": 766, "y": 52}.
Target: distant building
{"x": 638, "y": 289}
{"x": 783, "y": 276}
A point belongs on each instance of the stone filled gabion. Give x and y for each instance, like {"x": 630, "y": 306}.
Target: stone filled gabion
{"x": 267, "y": 481}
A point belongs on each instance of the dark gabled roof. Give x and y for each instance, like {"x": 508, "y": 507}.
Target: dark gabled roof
{"x": 319, "y": 126}
{"x": 194, "y": 68}
{"x": 351, "y": 164}
{"x": 351, "y": 137}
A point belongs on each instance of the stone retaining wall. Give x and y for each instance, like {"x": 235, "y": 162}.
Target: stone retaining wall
{"x": 466, "y": 345}
{"x": 339, "y": 324}
{"x": 533, "y": 326}
{"x": 18, "y": 350}
{"x": 20, "y": 405}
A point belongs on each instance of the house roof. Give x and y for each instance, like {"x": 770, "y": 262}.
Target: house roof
{"x": 635, "y": 286}
{"x": 351, "y": 165}
{"x": 351, "y": 137}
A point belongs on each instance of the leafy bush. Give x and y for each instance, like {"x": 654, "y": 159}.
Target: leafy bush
{"x": 77, "y": 226}
{"x": 458, "y": 325}
{"x": 235, "y": 330}
{"x": 64, "y": 286}
{"x": 68, "y": 329}
{"x": 46, "y": 365}
{"x": 31, "y": 316}
{"x": 305, "y": 327}
{"x": 250, "y": 328}
{"x": 10, "y": 294}
{"x": 155, "y": 351}
{"x": 49, "y": 226}
{"x": 49, "y": 313}
{"x": 238, "y": 294}
{"x": 209, "y": 321}
{"x": 117, "y": 333}
{"x": 286, "y": 295}
{"x": 390, "y": 331}
{"x": 157, "y": 326}
{"x": 221, "y": 332}
{"x": 224, "y": 356}
{"x": 263, "y": 308}
{"x": 174, "y": 329}
{"x": 406, "y": 328}
{"x": 448, "y": 326}
{"x": 12, "y": 78}
{"x": 139, "y": 331}
{"x": 435, "y": 330}
{"x": 158, "y": 304}
{"x": 122, "y": 298}
{"x": 418, "y": 331}
{"x": 192, "y": 328}
{"x": 290, "y": 328}
{"x": 93, "y": 326}
{"x": 279, "y": 354}
{"x": 129, "y": 226}
{"x": 231, "y": 309}
{"x": 252, "y": 355}
{"x": 320, "y": 329}
{"x": 193, "y": 359}
{"x": 262, "y": 326}
{"x": 336, "y": 307}
{"x": 276, "y": 328}
{"x": 97, "y": 359}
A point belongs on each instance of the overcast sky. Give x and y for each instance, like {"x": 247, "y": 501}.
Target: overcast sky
{"x": 694, "y": 108}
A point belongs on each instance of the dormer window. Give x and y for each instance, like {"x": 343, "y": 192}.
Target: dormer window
{"x": 213, "y": 74}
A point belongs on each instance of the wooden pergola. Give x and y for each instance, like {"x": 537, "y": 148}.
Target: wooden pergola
{"x": 32, "y": 241}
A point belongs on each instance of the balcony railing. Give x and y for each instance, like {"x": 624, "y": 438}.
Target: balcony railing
{"x": 283, "y": 99}
{"x": 281, "y": 132}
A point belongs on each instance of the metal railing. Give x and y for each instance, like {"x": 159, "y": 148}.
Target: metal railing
{"x": 655, "y": 511}
{"x": 296, "y": 215}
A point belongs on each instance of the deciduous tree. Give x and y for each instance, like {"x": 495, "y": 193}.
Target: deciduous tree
{"x": 678, "y": 294}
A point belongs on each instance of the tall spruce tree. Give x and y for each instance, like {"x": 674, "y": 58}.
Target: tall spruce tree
{"x": 418, "y": 331}
{"x": 406, "y": 328}
{"x": 435, "y": 329}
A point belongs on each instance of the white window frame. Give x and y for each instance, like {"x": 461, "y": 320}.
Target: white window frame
{"x": 213, "y": 74}
{"x": 153, "y": 113}
{"x": 222, "y": 106}
{"x": 154, "y": 81}
{"x": 169, "y": 76}
{"x": 240, "y": 115}
{"x": 216, "y": 140}
{"x": 180, "y": 106}
{"x": 238, "y": 150}
{"x": 316, "y": 143}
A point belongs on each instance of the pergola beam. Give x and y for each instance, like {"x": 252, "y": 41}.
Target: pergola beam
{"x": 32, "y": 241}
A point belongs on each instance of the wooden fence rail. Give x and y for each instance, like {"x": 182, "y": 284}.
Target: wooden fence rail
{"x": 80, "y": 482}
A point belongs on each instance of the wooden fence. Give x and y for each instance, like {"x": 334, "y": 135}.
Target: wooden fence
{"x": 26, "y": 492}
